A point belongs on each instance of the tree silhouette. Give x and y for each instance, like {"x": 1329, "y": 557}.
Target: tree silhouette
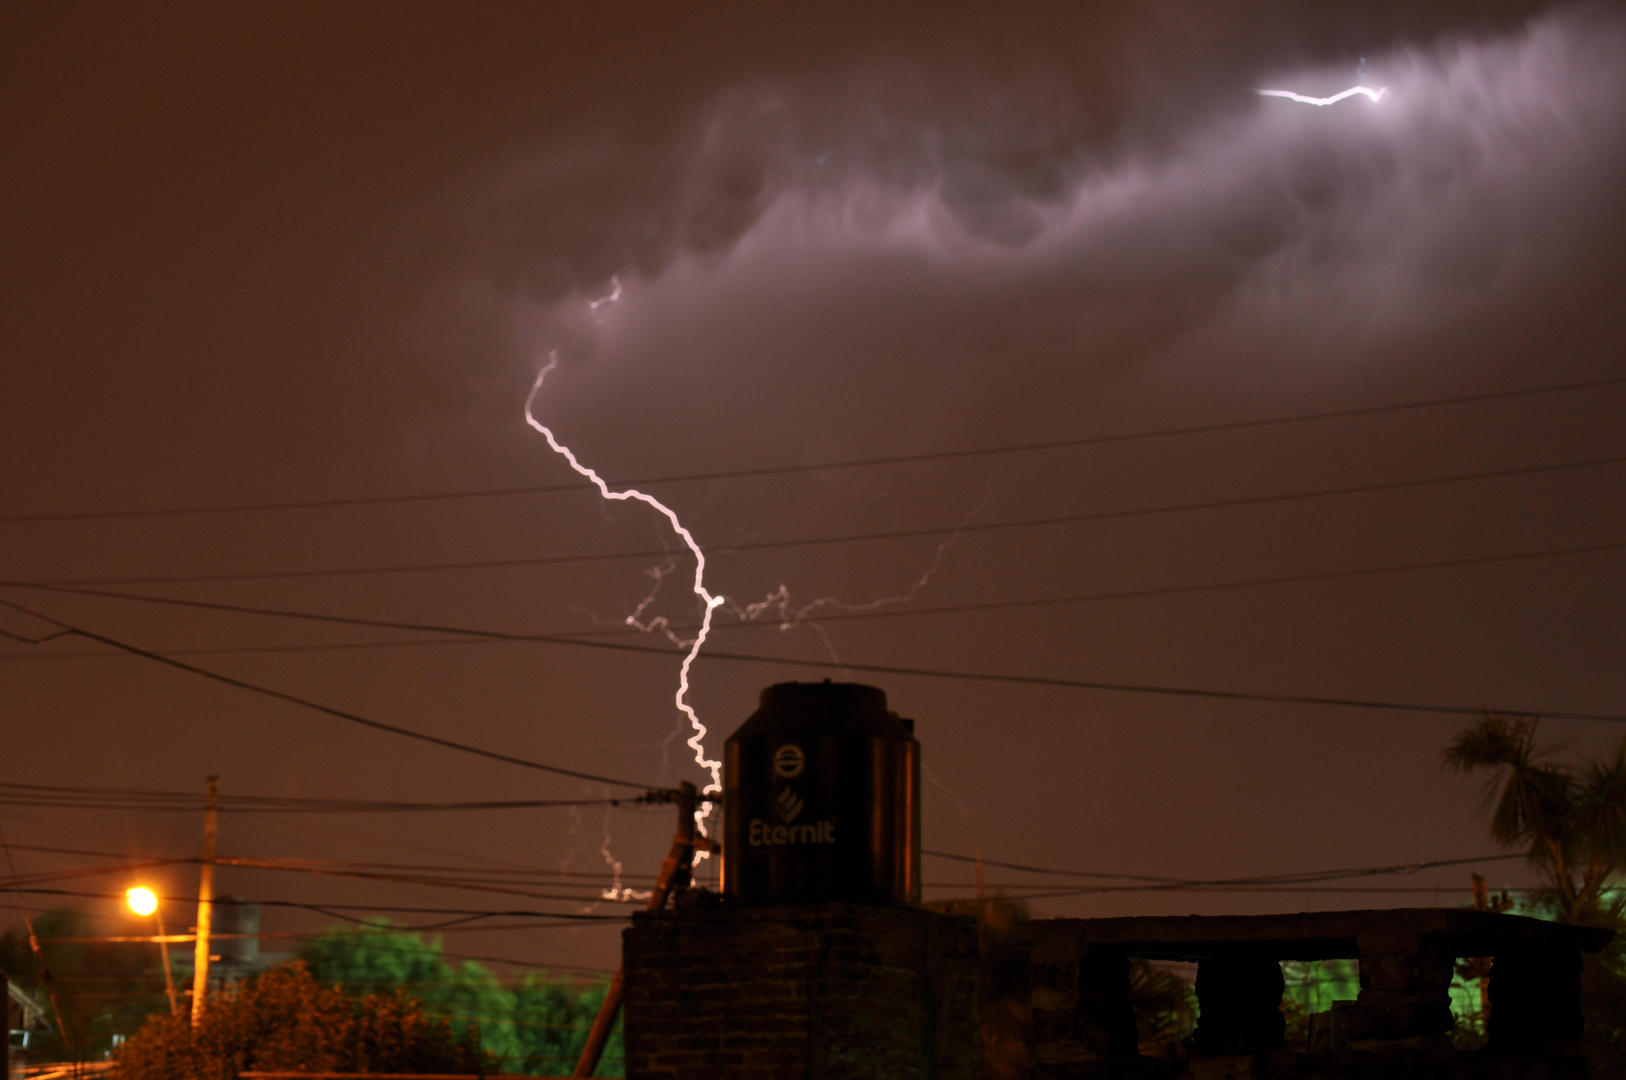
{"x": 1572, "y": 820}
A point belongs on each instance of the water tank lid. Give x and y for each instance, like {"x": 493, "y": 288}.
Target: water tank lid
{"x": 823, "y": 707}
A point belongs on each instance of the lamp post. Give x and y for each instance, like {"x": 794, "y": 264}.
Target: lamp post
{"x": 142, "y": 901}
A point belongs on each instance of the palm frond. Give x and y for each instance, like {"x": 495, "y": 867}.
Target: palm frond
{"x": 1492, "y": 742}
{"x": 1599, "y": 815}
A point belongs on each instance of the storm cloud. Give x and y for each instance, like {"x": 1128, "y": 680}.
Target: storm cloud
{"x": 840, "y": 266}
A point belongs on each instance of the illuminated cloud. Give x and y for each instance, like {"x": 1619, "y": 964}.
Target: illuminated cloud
{"x": 817, "y": 254}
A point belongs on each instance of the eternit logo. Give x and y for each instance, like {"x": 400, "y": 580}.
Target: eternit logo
{"x": 789, "y": 761}
{"x": 766, "y": 835}
{"x": 790, "y": 804}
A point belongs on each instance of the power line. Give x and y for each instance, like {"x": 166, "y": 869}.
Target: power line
{"x": 852, "y": 538}
{"x": 241, "y": 650}
{"x": 848, "y": 666}
{"x": 85, "y": 798}
{"x": 580, "y": 636}
{"x": 1056, "y": 893}
{"x": 377, "y": 725}
{"x": 327, "y": 909}
{"x": 464, "y": 925}
{"x": 839, "y": 617}
{"x": 1109, "y": 882}
{"x": 1141, "y": 881}
{"x": 856, "y": 463}
{"x": 508, "y": 888}
{"x": 96, "y": 871}
{"x": 287, "y": 866}
{"x": 348, "y": 864}
{"x": 585, "y": 636}
{"x": 1179, "y": 590}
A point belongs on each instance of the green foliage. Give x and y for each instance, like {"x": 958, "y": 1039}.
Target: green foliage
{"x": 551, "y": 1022}
{"x": 374, "y": 955}
{"x": 104, "y": 989}
{"x": 535, "y": 1025}
{"x": 1310, "y": 987}
{"x": 1165, "y": 1007}
{"x": 286, "y": 1020}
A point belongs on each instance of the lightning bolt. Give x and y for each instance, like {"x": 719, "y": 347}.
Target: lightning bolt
{"x": 1365, "y": 91}
{"x": 710, "y": 602}
{"x": 778, "y": 601}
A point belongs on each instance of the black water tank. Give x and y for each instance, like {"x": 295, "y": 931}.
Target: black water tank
{"x": 821, "y": 798}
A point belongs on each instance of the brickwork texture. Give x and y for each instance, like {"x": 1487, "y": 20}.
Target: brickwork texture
{"x": 827, "y": 992}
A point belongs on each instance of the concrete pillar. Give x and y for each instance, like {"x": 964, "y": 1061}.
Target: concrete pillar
{"x": 1405, "y": 989}
{"x": 1535, "y": 999}
{"x": 1239, "y": 1002}
{"x": 1083, "y": 1011}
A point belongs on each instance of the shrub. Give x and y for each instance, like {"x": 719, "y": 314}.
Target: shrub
{"x": 284, "y": 1020}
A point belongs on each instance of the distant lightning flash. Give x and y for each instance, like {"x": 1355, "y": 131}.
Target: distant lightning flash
{"x": 711, "y": 602}
{"x": 1365, "y": 91}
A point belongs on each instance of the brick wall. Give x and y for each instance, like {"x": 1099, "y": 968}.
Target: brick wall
{"x": 825, "y": 992}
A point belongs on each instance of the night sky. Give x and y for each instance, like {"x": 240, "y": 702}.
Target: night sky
{"x": 319, "y": 253}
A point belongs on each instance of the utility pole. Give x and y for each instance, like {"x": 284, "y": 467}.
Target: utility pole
{"x": 206, "y": 891}
{"x": 674, "y": 876}
{"x": 169, "y": 973}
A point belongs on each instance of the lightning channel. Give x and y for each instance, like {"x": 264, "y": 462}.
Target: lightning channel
{"x": 778, "y": 602}
{"x": 710, "y": 602}
{"x": 1375, "y": 95}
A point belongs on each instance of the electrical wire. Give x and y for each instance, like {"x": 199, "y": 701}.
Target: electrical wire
{"x": 1264, "y": 879}
{"x": 1109, "y": 881}
{"x": 297, "y": 863}
{"x": 856, "y": 463}
{"x": 850, "y": 538}
{"x": 87, "y": 798}
{"x": 466, "y": 884}
{"x": 253, "y": 650}
{"x": 999, "y": 678}
{"x": 474, "y": 879}
{"x": 341, "y": 714}
{"x": 330, "y": 909}
{"x": 1164, "y": 590}
{"x": 1304, "y": 881}
{"x": 83, "y": 872}
{"x": 581, "y": 636}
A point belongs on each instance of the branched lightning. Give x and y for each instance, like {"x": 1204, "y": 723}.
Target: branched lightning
{"x": 778, "y": 601}
{"x": 711, "y": 602}
{"x": 790, "y": 617}
{"x": 1365, "y": 91}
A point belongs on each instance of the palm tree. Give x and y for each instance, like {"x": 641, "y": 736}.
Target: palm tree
{"x": 1573, "y": 821}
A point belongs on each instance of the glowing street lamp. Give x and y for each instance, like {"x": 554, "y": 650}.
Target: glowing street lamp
{"x": 143, "y": 901}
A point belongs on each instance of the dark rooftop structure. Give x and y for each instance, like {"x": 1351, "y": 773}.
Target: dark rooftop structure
{"x": 1083, "y": 1025}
